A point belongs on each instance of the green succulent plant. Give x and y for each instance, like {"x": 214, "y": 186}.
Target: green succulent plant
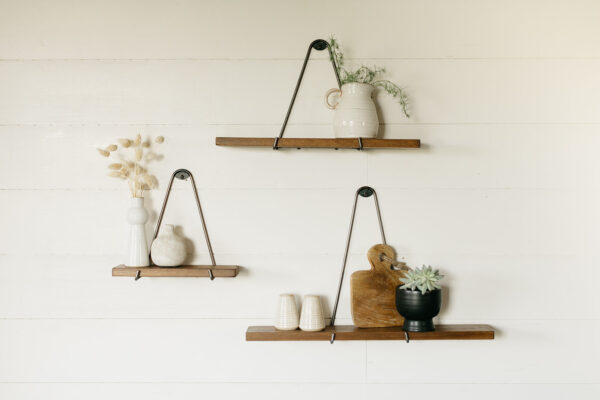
{"x": 423, "y": 279}
{"x": 368, "y": 75}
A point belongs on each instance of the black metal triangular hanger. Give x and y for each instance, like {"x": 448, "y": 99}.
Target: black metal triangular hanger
{"x": 184, "y": 174}
{"x": 319, "y": 44}
{"x": 364, "y": 191}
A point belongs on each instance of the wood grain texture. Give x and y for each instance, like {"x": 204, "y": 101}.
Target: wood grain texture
{"x": 185, "y": 271}
{"x": 373, "y": 292}
{"x": 351, "y": 332}
{"x": 325, "y": 143}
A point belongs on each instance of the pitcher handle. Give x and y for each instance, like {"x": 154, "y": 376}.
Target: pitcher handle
{"x": 328, "y": 94}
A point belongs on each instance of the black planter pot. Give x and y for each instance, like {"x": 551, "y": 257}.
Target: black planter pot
{"x": 418, "y": 309}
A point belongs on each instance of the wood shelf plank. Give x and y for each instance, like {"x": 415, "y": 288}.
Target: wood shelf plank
{"x": 351, "y": 332}
{"x": 319, "y": 143}
{"x": 184, "y": 271}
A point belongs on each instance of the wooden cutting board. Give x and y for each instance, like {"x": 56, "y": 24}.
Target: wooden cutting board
{"x": 373, "y": 292}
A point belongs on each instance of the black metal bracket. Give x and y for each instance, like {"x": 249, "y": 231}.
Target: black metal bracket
{"x": 184, "y": 174}
{"x": 363, "y": 191}
{"x": 319, "y": 45}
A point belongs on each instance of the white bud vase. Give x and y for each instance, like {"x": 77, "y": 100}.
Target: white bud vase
{"x": 355, "y": 113}
{"x": 168, "y": 249}
{"x": 137, "y": 216}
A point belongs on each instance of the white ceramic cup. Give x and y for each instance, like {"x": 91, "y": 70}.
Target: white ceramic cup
{"x": 311, "y": 318}
{"x": 286, "y": 318}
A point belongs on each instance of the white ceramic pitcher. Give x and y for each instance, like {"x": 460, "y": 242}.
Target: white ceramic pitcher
{"x": 355, "y": 113}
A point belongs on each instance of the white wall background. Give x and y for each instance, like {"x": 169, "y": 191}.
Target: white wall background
{"x": 503, "y": 196}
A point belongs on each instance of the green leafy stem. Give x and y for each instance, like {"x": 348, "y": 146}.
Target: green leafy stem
{"x": 367, "y": 75}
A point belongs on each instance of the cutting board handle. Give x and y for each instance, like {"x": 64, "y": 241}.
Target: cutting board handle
{"x": 378, "y": 263}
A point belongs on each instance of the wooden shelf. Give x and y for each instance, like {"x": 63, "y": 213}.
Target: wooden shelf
{"x": 185, "y": 271}
{"x": 320, "y": 143}
{"x": 351, "y": 332}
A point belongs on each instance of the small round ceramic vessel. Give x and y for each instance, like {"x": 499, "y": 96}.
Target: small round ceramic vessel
{"x": 418, "y": 309}
{"x": 168, "y": 249}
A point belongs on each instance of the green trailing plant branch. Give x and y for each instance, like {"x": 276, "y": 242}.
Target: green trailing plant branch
{"x": 423, "y": 279}
{"x": 366, "y": 75}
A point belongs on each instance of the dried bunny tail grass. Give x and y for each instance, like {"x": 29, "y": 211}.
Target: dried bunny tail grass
{"x": 129, "y": 168}
{"x": 103, "y": 153}
{"x": 115, "y": 174}
{"x": 149, "y": 181}
{"x": 125, "y": 142}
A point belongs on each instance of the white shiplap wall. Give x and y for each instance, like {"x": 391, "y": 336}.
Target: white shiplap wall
{"x": 503, "y": 196}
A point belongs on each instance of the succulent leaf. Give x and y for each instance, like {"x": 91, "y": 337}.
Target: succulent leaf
{"x": 423, "y": 279}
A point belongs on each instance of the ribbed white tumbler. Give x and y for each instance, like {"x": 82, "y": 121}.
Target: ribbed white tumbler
{"x": 311, "y": 318}
{"x": 286, "y": 318}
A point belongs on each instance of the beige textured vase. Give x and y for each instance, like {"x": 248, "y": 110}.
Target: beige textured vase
{"x": 311, "y": 318}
